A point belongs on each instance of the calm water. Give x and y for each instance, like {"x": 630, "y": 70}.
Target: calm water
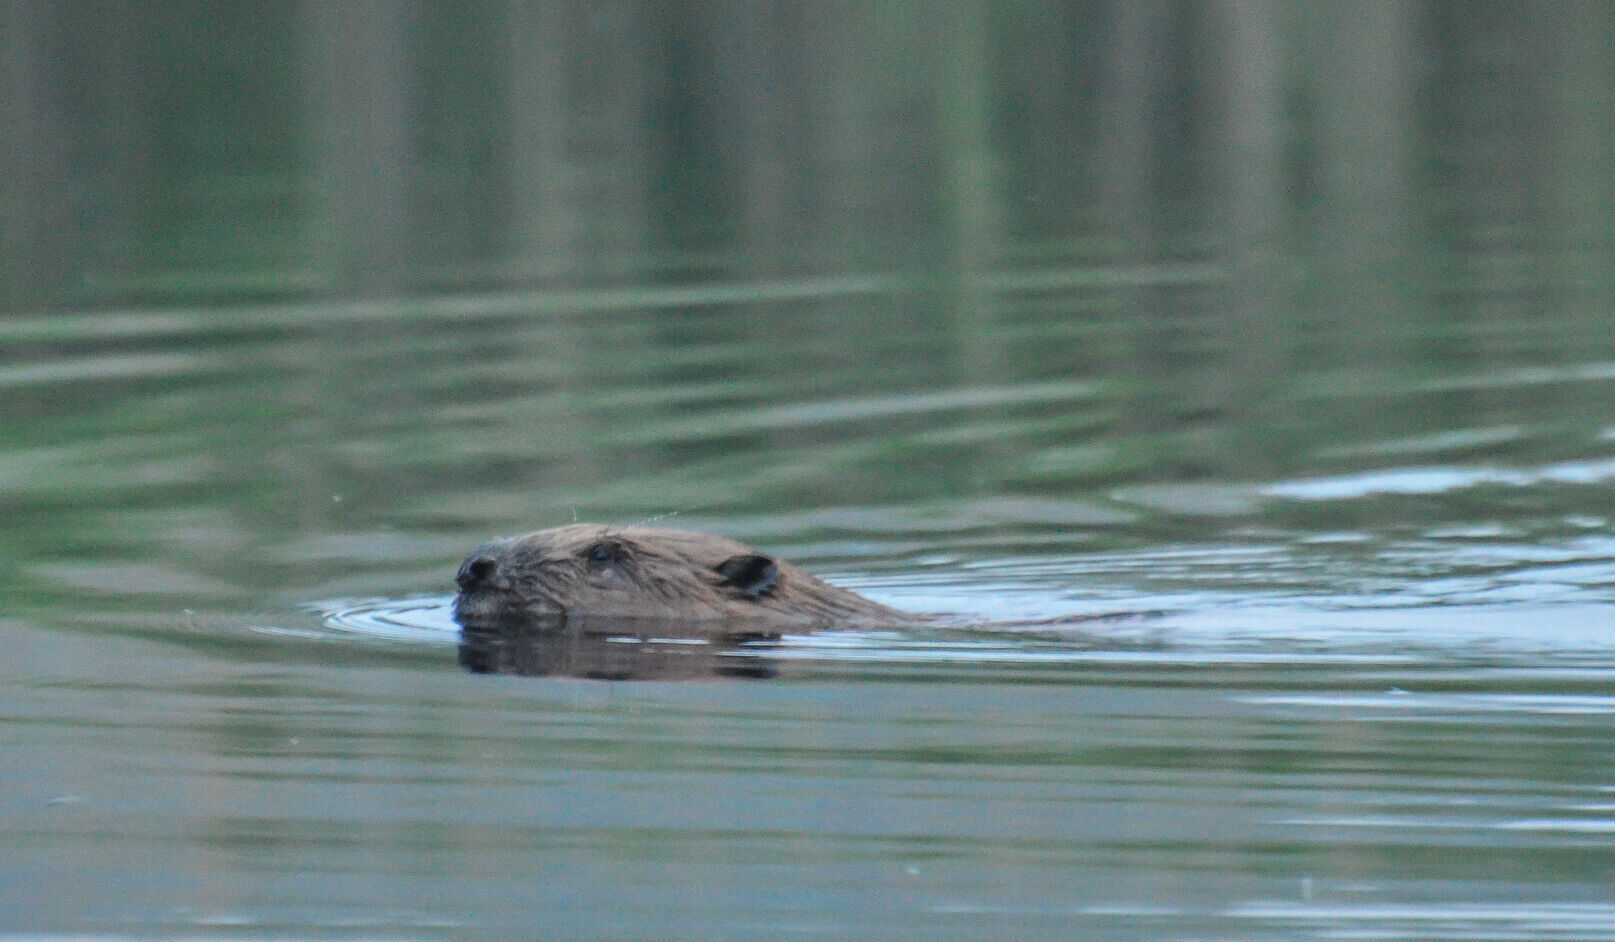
{"x": 1292, "y": 325}
{"x": 1377, "y": 701}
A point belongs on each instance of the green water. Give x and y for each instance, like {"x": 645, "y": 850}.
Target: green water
{"x": 1291, "y": 326}
{"x": 1378, "y": 699}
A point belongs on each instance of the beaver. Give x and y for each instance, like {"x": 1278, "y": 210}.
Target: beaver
{"x": 525, "y": 603}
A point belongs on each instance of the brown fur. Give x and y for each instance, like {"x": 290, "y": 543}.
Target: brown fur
{"x": 587, "y": 571}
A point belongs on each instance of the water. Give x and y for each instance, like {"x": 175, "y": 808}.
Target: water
{"x": 262, "y": 784}
{"x": 1373, "y": 698}
{"x": 1284, "y": 332}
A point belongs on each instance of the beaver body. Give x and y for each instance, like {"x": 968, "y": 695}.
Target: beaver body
{"x": 626, "y": 582}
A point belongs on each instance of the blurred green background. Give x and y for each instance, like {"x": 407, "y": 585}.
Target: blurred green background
{"x": 361, "y": 283}
{"x": 215, "y": 150}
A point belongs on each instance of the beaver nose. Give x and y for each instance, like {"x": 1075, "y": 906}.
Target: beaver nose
{"x": 476, "y": 571}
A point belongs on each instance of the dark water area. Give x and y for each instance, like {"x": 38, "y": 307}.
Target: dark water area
{"x": 1287, "y": 333}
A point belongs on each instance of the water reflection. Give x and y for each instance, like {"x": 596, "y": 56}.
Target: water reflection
{"x": 1190, "y": 315}
{"x": 303, "y": 789}
{"x": 619, "y": 648}
{"x": 630, "y": 648}
{"x": 1573, "y": 642}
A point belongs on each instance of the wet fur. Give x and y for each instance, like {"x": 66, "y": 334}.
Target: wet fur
{"x": 589, "y": 571}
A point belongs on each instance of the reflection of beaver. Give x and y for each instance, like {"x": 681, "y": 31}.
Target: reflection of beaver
{"x": 595, "y": 580}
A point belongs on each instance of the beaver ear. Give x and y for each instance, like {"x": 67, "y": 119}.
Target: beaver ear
{"x": 751, "y": 575}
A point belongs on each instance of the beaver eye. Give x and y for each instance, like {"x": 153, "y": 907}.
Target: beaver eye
{"x": 475, "y": 572}
{"x": 602, "y": 553}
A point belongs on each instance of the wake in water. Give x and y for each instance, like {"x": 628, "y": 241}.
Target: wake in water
{"x": 1254, "y": 633}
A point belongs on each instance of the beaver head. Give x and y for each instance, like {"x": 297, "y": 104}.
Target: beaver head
{"x": 588, "y": 571}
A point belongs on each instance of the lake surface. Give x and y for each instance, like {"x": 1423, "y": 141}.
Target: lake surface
{"x": 1375, "y": 700}
{"x": 1283, "y": 333}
